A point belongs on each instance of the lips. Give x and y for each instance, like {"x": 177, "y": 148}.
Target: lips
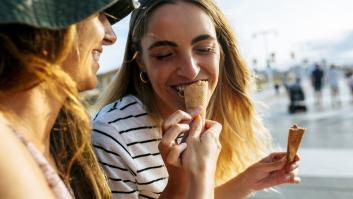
{"x": 180, "y": 87}
{"x": 96, "y": 54}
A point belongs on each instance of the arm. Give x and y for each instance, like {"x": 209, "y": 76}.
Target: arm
{"x": 172, "y": 127}
{"x": 266, "y": 173}
{"x": 198, "y": 157}
{"x": 20, "y": 175}
{"x": 113, "y": 155}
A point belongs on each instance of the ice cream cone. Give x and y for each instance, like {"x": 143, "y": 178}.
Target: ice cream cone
{"x": 294, "y": 138}
{"x": 196, "y": 95}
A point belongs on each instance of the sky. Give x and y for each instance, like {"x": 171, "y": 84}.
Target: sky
{"x": 308, "y": 29}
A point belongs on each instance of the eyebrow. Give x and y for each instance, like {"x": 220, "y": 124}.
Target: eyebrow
{"x": 201, "y": 38}
{"x": 173, "y": 44}
{"x": 162, "y": 43}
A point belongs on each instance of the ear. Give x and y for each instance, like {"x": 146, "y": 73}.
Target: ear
{"x": 139, "y": 61}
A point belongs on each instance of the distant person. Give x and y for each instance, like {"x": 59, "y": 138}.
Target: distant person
{"x": 317, "y": 77}
{"x": 297, "y": 97}
{"x": 333, "y": 82}
{"x": 350, "y": 82}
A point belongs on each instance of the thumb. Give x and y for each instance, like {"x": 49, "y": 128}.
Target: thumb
{"x": 274, "y": 166}
{"x": 195, "y": 127}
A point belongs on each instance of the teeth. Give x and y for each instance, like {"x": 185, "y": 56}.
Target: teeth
{"x": 96, "y": 55}
{"x": 180, "y": 90}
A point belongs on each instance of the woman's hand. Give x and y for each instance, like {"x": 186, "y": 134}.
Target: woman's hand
{"x": 271, "y": 171}
{"x": 172, "y": 127}
{"x": 202, "y": 149}
{"x": 266, "y": 173}
{"x": 199, "y": 159}
{"x": 191, "y": 164}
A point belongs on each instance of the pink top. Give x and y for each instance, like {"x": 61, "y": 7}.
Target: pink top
{"x": 55, "y": 183}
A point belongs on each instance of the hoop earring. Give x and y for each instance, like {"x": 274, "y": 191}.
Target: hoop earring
{"x": 143, "y": 79}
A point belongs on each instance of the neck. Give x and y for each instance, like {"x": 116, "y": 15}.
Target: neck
{"x": 37, "y": 111}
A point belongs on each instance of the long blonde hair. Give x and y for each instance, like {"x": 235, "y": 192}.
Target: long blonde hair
{"x": 31, "y": 57}
{"x": 244, "y": 138}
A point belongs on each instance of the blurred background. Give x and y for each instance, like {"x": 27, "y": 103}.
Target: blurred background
{"x": 301, "y": 53}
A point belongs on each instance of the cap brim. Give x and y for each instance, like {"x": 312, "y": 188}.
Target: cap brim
{"x": 121, "y": 9}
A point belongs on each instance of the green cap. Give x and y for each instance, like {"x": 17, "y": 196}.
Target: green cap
{"x": 56, "y": 14}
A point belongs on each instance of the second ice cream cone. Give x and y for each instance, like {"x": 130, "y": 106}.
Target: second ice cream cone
{"x": 294, "y": 138}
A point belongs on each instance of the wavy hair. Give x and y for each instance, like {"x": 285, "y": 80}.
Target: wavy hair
{"x": 31, "y": 57}
{"x": 244, "y": 138}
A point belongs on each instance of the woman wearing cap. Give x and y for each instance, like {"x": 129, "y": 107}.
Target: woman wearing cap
{"x": 48, "y": 52}
{"x": 171, "y": 44}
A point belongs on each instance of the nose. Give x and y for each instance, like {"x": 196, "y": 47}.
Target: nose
{"x": 109, "y": 36}
{"x": 188, "y": 67}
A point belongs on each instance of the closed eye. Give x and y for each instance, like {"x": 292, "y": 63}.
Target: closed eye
{"x": 206, "y": 50}
{"x": 163, "y": 56}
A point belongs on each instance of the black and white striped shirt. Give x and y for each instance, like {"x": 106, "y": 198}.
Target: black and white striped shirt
{"x": 126, "y": 143}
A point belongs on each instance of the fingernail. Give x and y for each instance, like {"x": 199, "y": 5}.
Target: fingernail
{"x": 297, "y": 180}
{"x": 197, "y": 118}
{"x": 287, "y": 177}
{"x": 183, "y": 145}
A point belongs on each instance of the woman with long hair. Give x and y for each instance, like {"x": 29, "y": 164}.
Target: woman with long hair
{"x": 49, "y": 51}
{"x": 171, "y": 44}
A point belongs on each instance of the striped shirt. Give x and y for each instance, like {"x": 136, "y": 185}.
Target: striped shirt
{"x": 126, "y": 141}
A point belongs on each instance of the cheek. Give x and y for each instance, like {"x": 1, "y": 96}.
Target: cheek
{"x": 159, "y": 75}
{"x": 70, "y": 65}
{"x": 213, "y": 69}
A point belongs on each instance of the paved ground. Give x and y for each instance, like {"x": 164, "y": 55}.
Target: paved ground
{"x": 312, "y": 188}
{"x": 327, "y": 147}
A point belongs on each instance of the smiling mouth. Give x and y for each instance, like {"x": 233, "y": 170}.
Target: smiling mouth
{"x": 180, "y": 88}
{"x": 96, "y": 55}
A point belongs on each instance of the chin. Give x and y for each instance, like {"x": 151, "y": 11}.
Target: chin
{"x": 87, "y": 86}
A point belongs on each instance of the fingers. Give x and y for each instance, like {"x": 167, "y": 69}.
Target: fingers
{"x": 273, "y": 166}
{"x": 291, "y": 177}
{"x": 213, "y": 127}
{"x": 195, "y": 127}
{"x": 275, "y": 156}
{"x": 175, "y": 118}
{"x": 293, "y": 166}
{"x": 175, "y": 153}
{"x": 171, "y": 128}
{"x": 276, "y": 179}
{"x": 297, "y": 157}
{"x": 173, "y": 132}
{"x": 213, "y": 130}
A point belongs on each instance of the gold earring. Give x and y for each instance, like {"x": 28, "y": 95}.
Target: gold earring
{"x": 143, "y": 80}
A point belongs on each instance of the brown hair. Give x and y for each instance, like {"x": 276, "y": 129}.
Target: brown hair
{"x": 31, "y": 57}
{"x": 244, "y": 139}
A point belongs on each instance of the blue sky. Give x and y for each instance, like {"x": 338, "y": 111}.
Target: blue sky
{"x": 311, "y": 29}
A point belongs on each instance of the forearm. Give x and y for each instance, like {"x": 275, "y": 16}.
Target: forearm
{"x": 175, "y": 189}
{"x": 201, "y": 186}
{"x": 233, "y": 189}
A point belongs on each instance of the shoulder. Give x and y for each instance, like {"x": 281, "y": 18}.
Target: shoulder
{"x": 121, "y": 107}
{"x": 17, "y": 163}
{"x": 114, "y": 120}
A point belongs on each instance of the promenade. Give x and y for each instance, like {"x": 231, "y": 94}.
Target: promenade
{"x": 326, "y": 151}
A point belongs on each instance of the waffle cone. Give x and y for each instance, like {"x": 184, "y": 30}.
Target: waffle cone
{"x": 294, "y": 138}
{"x": 196, "y": 95}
